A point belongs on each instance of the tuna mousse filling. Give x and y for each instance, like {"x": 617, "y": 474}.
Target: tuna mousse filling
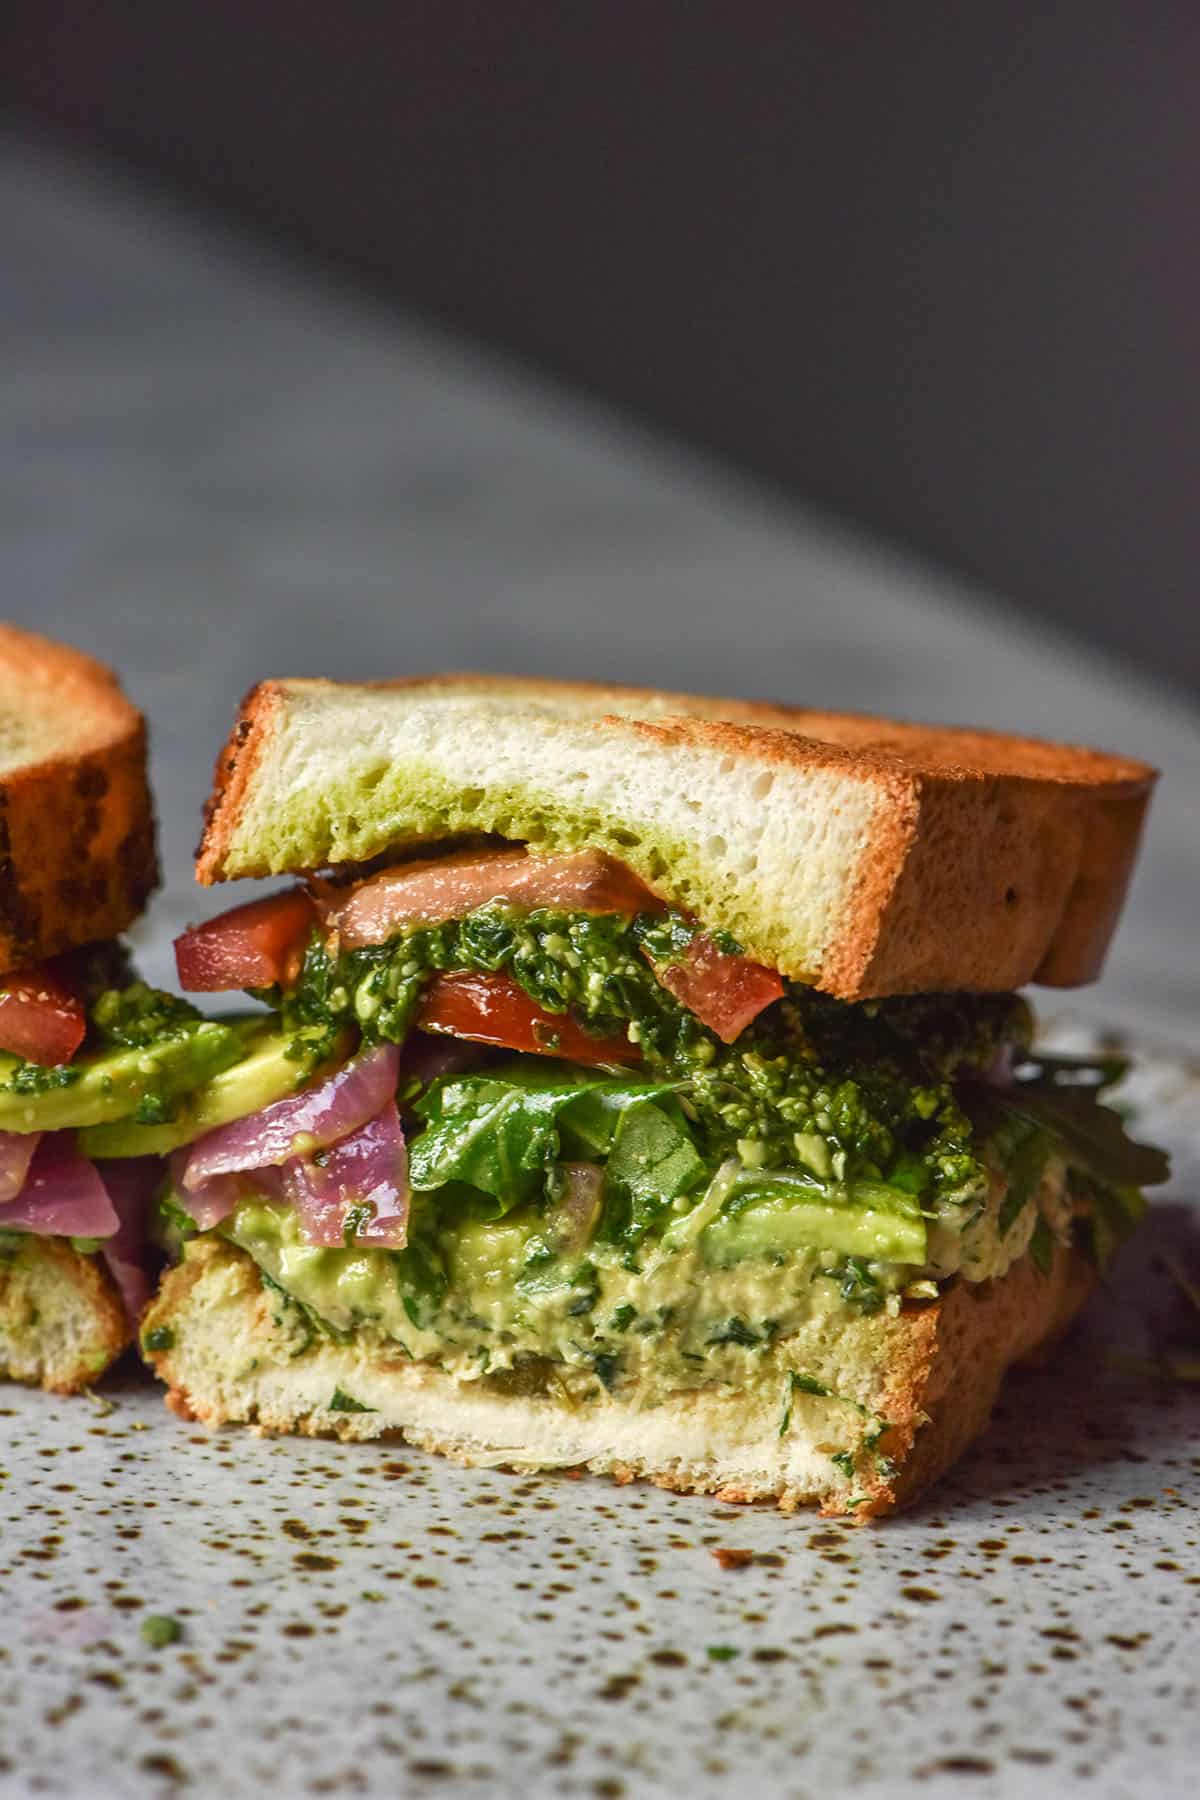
{"x": 514, "y": 1118}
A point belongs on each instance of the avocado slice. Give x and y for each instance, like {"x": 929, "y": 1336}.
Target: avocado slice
{"x": 865, "y": 1219}
{"x": 264, "y": 1072}
{"x": 112, "y": 1083}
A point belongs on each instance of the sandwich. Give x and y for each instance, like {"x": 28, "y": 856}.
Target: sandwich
{"x": 82, "y": 1042}
{"x": 642, "y": 1083}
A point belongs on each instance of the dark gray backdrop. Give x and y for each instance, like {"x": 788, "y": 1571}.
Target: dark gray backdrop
{"x": 936, "y": 266}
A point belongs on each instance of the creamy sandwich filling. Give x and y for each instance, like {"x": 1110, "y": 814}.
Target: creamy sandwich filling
{"x": 516, "y": 1117}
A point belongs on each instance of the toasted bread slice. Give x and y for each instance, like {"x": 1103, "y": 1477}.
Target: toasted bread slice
{"x": 61, "y": 1318}
{"x": 229, "y": 1351}
{"x": 864, "y": 856}
{"x": 77, "y": 855}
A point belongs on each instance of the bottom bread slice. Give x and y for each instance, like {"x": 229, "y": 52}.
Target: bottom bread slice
{"x": 61, "y": 1318}
{"x": 228, "y": 1348}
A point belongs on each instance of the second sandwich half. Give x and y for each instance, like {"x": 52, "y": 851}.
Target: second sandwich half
{"x": 642, "y": 1083}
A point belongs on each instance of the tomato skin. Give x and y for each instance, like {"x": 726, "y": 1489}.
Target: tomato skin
{"x": 40, "y": 1018}
{"x": 447, "y": 887}
{"x": 724, "y": 991}
{"x": 493, "y": 1009}
{"x": 250, "y": 946}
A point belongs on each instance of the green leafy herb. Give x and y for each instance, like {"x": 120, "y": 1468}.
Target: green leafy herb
{"x": 720, "y": 1653}
{"x": 1090, "y": 1135}
{"x": 653, "y": 1162}
{"x": 345, "y": 1403}
{"x": 138, "y": 1015}
{"x": 796, "y": 1383}
{"x": 159, "y": 1337}
{"x": 420, "y": 1274}
{"x": 1024, "y": 1165}
{"x": 735, "y": 1331}
{"x": 502, "y": 1133}
{"x": 843, "y": 1461}
{"x": 857, "y": 1285}
{"x": 34, "y": 1078}
{"x": 1113, "y": 1214}
{"x": 493, "y": 1135}
{"x": 808, "y": 1384}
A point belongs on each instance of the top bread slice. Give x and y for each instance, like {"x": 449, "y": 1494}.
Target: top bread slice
{"x": 77, "y": 849}
{"x": 864, "y": 856}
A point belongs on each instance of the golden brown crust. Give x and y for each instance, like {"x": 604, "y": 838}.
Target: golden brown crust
{"x": 964, "y": 749}
{"x": 62, "y": 1321}
{"x": 997, "y": 860}
{"x": 77, "y": 849}
{"x": 960, "y": 1348}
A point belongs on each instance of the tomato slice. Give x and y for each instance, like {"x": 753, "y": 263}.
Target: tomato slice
{"x": 250, "y": 946}
{"x": 493, "y": 1009}
{"x": 40, "y": 1018}
{"x": 724, "y": 991}
{"x": 424, "y": 893}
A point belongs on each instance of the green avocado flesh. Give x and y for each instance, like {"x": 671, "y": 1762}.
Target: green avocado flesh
{"x": 261, "y": 1069}
{"x": 119, "y": 1082}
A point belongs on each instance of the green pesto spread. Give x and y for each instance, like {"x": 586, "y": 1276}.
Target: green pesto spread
{"x": 144, "y": 1050}
{"x": 844, "y": 1090}
{"x": 836, "y": 1158}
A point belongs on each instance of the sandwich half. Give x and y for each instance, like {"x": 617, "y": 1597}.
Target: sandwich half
{"x": 643, "y": 1083}
{"x": 82, "y": 1042}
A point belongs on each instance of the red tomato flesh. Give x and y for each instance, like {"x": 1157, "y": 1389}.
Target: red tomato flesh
{"x": 492, "y": 1009}
{"x": 251, "y": 946}
{"x": 425, "y": 893}
{"x": 40, "y": 1018}
{"x": 725, "y": 992}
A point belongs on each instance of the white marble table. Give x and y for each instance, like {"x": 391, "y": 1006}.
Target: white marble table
{"x": 215, "y": 466}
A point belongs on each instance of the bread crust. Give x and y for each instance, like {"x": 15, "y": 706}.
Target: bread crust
{"x": 941, "y": 1366}
{"x": 77, "y": 843}
{"x": 995, "y": 859}
{"x": 62, "y": 1321}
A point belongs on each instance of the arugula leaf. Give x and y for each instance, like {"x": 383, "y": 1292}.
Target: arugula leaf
{"x": 502, "y": 1132}
{"x": 595, "y": 1118}
{"x": 489, "y": 1134}
{"x": 1024, "y": 1171}
{"x": 1091, "y": 1135}
{"x": 1114, "y": 1214}
{"x": 652, "y": 1162}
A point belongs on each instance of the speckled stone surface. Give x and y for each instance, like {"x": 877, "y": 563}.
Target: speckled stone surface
{"x": 363, "y": 1619}
{"x": 214, "y": 469}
